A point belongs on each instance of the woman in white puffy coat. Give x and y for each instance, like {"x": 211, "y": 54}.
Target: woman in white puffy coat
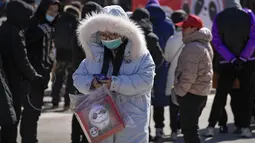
{"x": 131, "y": 88}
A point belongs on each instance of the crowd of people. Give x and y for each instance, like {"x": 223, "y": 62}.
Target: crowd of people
{"x": 151, "y": 58}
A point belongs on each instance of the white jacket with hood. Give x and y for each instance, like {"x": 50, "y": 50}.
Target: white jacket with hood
{"x": 133, "y": 85}
{"x": 172, "y": 52}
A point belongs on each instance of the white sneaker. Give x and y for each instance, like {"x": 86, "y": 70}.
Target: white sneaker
{"x": 209, "y": 132}
{"x": 246, "y": 132}
{"x": 174, "y": 136}
{"x": 179, "y": 132}
{"x": 252, "y": 120}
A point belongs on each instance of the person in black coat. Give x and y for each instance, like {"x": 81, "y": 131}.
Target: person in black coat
{"x": 65, "y": 41}
{"x": 16, "y": 65}
{"x": 39, "y": 39}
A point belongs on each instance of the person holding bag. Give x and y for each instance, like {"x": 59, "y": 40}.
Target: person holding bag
{"x": 116, "y": 48}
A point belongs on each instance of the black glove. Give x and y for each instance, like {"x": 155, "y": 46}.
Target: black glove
{"x": 238, "y": 64}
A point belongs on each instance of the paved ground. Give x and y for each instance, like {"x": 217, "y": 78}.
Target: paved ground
{"x": 54, "y": 127}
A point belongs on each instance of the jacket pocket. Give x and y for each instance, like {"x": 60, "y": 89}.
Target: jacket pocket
{"x": 179, "y": 76}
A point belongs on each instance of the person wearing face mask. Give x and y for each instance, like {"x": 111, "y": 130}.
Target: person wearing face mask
{"x": 65, "y": 41}
{"x": 40, "y": 44}
{"x": 16, "y": 64}
{"x": 116, "y": 47}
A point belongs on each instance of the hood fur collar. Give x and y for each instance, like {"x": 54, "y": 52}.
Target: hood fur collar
{"x": 105, "y": 22}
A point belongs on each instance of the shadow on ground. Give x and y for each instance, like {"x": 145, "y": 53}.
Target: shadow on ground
{"x": 217, "y": 139}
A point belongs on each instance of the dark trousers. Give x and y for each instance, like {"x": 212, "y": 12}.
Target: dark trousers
{"x": 158, "y": 117}
{"x": 77, "y": 135}
{"x": 174, "y": 118}
{"x": 9, "y": 133}
{"x": 30, "y": 115}
{"x": 227, "y": 75}
{"x": 63, "y": 70}
{"x": 235, "y": 95}
{"x": 191, "y": 107}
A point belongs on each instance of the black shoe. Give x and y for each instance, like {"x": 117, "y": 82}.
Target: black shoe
{"x": 158, "y": 139}
{"x": 151, "y": 139}
{"x": 223, "y": 129}
{"x": 238, "y": 131}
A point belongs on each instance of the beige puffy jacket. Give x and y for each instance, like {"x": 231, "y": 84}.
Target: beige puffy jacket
{"x": 194, "y": 70}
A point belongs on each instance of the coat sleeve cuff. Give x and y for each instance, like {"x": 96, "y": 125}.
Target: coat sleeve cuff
{"x": 88, "y": 84}
{"x": 115, "y": 85}
{"x": 180, "y": 92}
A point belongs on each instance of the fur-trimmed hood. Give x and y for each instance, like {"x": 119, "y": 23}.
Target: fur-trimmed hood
{"x": 89, "y": 27}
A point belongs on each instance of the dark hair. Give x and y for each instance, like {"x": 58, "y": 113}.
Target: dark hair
{"x": 42, "y": 9}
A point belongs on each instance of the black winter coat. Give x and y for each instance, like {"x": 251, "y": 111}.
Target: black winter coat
{"x": 152, "y": 42}
{"x": 39, "y": 40}
{"x": 13, "y": 49}
{"x": 65, "y": 36}
{"x": 7, "y": 113}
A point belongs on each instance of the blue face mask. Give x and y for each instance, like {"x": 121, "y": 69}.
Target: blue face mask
{"x": 49, "y": 18}
{"x": 112, "y": 44}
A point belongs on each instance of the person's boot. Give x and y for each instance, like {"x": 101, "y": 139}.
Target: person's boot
{"x": 159, "y": 135}
{"x": 174, "y": 136}
{"x": 237, "y": 130}
{"x": 223, "y": 129}
{"x": 209, "y": 132}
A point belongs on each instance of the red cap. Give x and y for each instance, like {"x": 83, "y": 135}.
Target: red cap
{"x": 191, "y": 21}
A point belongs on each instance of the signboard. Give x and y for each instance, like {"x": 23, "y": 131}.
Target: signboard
{"x": 206, "y": 9}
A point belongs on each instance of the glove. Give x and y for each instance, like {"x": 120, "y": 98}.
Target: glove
{"x": 238, "y": 64}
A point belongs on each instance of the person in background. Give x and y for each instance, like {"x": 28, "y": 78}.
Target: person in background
{"x": 235, "y": 48}
{"x": 39, "y": 39}
{"x": 164, "y": 28}
{"x": 3, "y": 5}
{"x": 15, "y": 60}
{"x": 32, "y": 3}
{"x": 193, "y": 75}
{"x": 112, "y": 37}
{"x": 172, "y": 52}
{"x": 65, "y": 41}
{"x": 142, "y": 17}
{"x": 78, "y": 55}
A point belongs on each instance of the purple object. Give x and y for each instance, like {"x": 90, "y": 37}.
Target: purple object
{"x": 250, "y": 46}
{"x": 218, "y": 45}
{"x": 100, "y": 77}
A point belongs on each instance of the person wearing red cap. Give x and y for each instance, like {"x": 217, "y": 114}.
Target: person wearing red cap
{"x": 193, "y": 75}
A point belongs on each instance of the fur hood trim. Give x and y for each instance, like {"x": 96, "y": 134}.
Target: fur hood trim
{"x": 73, "y": 8}
{"x": 115, "y": 24}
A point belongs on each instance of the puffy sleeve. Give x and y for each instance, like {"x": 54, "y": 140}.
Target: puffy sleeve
{"x": 139, "y": 82}
{"x": 172, "y": 48}
{"x": 187, "y": 69}
{"x": 82, "y": 79}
